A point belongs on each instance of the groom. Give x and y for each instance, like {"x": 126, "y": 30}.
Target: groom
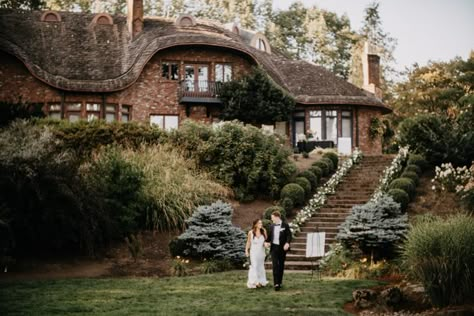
{"x": 279, "y": 237}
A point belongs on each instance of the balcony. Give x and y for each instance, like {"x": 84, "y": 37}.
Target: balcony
{"x": 202, "y": 91}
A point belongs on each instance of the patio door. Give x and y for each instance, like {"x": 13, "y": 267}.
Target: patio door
{"x": 196, "y": 77}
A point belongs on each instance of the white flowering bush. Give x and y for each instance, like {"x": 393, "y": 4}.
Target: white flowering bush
{"x": 451, "y": 179}
{"x": 391, "y": 172}
{"x": 320, "y": 198}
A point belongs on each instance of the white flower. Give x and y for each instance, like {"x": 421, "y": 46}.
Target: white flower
{"x": 433, "y": 187}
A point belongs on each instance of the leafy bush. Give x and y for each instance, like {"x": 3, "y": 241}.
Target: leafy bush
{"x": 317, "y": 172}
{"x": 305, "y": 154}
{"x": 411, "y": 175}
{"x": 418, "y": 160}
{"x": 134, "y": 246}
{"x": 413, "y": 168}
{"x": 376, "y": 226}
{"x": 305, "y": 184}
{"x": 179, "y": 267}
{"x": 333, "y": 156}
{"x": 400, "y": 196}
{"x": 323, "y": 166}
{"x": 404, "y": 184}
{"x": 242, "y": 157}
{"x": 269, "y": 210}
{"x": 287, "y": 204}
{"x": 210, "y": 235}
{"x": 329, "y": 163}
{"x": 313, "y": 180}
{"x": 439, "y": 253}
{"x": 294, "y": 192}
{"x": 11, "y": 111}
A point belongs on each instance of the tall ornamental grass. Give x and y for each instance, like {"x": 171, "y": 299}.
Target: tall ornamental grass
{"x": 439, "y": 253}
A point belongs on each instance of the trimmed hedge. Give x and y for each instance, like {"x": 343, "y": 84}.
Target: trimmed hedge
{"x": 305, "y": 184}
{"x": 404, "y": 184}
{"x": 287, "y": 204}
{"x": 267, "y": 214}
{"x": 323, "y": 166}
{"x": 313, "y": 180}
{"x": 400, "y": 196}
{"x": 411, "y": 175}
{"x": 418, "y": 160}
{"x": 317, "y": 172}
{"x": 333, "y": 156}
{"x": 329, "y": 163}
{"x": 414, "y": 168}
{"x": 293, "y": 191}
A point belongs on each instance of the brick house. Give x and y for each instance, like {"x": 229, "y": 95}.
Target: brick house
{"x": 163, "y": 71}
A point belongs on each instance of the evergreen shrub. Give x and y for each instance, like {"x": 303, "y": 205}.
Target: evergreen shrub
{"x": 405, "y": 184}
{"x": 418, "y": 160}
{"x": 305, "y": 184}
{"x": 287, "y": 204}
{"x": 400, "y": 196}
{"x": 313, "y": 180}
{"x": 294, "y": 192}
{"x": 323, "y": 166}
{"x": 329, "y": 163}
{"x": 411, "y": 175}
{"x": 269, "y": 210}
{"x": 413, "y": 168}
{"x": 333, "y": 156}
{"x": 317, "y": 172}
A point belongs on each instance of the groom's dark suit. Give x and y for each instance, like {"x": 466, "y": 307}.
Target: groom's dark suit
{"x": 277, "y": 251}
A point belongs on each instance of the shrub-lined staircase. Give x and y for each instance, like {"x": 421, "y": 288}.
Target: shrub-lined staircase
{"x": 356, "y": 188}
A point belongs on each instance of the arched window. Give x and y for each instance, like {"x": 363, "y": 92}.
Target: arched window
{"x": 185, "y": 21}
{"x": 50, "y": 16}
{"x": 261, "y": 45}
{"x": 103, "y": 19}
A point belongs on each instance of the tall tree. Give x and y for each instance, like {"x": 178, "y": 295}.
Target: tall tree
{"x": 22, "y": 4}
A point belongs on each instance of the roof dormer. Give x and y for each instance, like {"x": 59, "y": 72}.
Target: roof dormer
{"x": 50, "y": 16}
{"x": 185, "y": 20}
{"x": 260, "y": 42}
{"x": 103, "y": 19}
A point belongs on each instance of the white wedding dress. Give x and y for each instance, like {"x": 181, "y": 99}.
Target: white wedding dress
{"x": 257, "y": 263}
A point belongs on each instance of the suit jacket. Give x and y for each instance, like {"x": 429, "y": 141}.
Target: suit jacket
{"x": 285, "y": 234}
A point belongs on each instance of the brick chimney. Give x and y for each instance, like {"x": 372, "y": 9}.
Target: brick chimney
{"x": 371, "y": 70}
{"x": 134, "y": 17}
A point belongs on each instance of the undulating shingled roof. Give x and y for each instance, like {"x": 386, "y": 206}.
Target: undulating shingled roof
{"x": 76, "y": 55}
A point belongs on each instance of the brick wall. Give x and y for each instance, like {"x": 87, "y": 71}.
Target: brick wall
{"x": 367, "y": 145}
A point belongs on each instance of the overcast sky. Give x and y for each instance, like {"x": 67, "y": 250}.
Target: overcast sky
{"x": 425, "y": 29}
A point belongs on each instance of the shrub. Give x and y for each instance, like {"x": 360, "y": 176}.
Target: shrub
{"x": 269, "y": 210}
{"x": 417, "y": 160}
{"x": 377, "y": 226}
{"x": 313, "y": 180}
{"x": 294, "y": 192}
{"x": 179, "y": 267}
{"x": 11, "y": 111}
{"x": 323, "y": 166}
{"x": 287, "y": 204}
{"x": 266, "y": 224}
{"x": 439, "y": 253}
{"x": 317, "y": 172}
{"x": 329, "y": 163}
{"x": 413, "y": 168}
{"x": 411, "y": 175}
{"x": 210, "y": 266}
{"x": 134, "y": 246}
{"x": 400, "y": 196}
{"x": 305, "y": 154}
{"x": 305, "y": 184}
{"x": 242, "y": 157}
{"x": 210, "y": 235}
{"x": 405, "y": 184}
{"x": 333, "y": 156}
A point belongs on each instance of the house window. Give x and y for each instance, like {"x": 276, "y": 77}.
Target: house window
{"x": 170, "y": 70}
{"x": 223, "y": 72}
{"x": 166, "y": 122}
{"x": 126, "y": 113}
{"x": 92, "y": 111}
{"x": 261, "y": 45}
{"x": 346, "y": 121}
{"x": 54, "y": 111}
{"x": 196, "y": 78}
{"x": 331, "y": 126}
{"x": 73, "y": 111}
{"x": 110, "y": 113}
{"x": 315, "y": 124}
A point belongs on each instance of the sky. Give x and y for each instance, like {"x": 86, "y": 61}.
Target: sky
{"x": 426, "y": 30}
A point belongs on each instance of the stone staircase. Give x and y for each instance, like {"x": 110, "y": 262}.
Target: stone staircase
{"x": 356, "y": 188}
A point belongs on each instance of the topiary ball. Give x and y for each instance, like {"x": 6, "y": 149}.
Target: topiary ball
{"x": 329, "y": 163}
{"x": 313, "y": 180}
{"x": 419, "y": 160}
{"x": 269, "y": 210}
{"x": 333, "y": 156}
{"x": 413, "y": 168}
{"x": 287, "y": 204}
{"x": 411, "y": 175}
{"x": 317, "y": 172}
{"x": 323, "y": 166}
{"x": 305, "y": 184}
{"x": 293, "y": 191}
{"x": 404, "y": 184}
{"x": 400, "y": 196}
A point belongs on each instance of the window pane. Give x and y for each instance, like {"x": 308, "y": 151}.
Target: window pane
{"x": 331, "y": 128}
{"x": 157, "y": 120}
{"x": 55, "y": 115}
{"x": 74, "y": 106}
{"x": 165, "y": 70}
{"x": 93, "y": 107}
{"x": 110, "y": 117}
{"x": 227, "y": 73}
{"x": 315, "y": 113}
{"x": 316, "y": 127}
{"x": 110, "y": 108}
{"x": 171, "y": 122}
{"x": 55, "y": 107}
{"x": 125, "y": 108}
{"x": 174, "y": 72}
{"x": 203, "y": 77}
{"x": 219, "y": 73}
{"x": 346, "y": 113}
{"x": 74, "y": 117}
{"x": 125, "y": 117}
{"x": 346, "y": 127}
{"x": 92, "y": 116}
{"x": 189, "y": 77}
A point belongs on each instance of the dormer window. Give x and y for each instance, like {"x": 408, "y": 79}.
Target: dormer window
{"x": 185, "y": 21}
{"x": 103, "y": 19}
{"x": 50, "y": 16}
{"x": 261, "y": 45}
{"x": 260, "y": 42}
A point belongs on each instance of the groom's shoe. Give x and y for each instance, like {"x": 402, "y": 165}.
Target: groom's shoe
{"x": 277, "y": 287}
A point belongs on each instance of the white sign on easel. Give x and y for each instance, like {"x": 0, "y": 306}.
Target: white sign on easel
{"x": 344, "y": 145}
{"x": 315, "y": 243}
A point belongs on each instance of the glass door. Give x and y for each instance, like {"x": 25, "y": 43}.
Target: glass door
{"x": 196, "y": 77}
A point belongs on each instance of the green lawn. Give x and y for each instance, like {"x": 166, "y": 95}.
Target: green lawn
{"x": 222, "y": 294}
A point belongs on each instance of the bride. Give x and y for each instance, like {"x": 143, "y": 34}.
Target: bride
{"x": 255, "y": 243}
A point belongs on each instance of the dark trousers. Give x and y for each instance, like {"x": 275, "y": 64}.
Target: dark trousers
{"x": 278, "y": 263}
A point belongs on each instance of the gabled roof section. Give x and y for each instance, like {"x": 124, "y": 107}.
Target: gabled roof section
{"x": 77, "y": 55}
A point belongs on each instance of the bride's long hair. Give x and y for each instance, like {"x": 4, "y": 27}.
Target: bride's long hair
{"x": 254, "y": 228}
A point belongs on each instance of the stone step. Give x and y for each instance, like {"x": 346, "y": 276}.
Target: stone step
{"x": 322, "y": 221}
{"x": 315, "y": 228}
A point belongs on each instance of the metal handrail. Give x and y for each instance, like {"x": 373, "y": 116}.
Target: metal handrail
{"x": 199, "y": 88}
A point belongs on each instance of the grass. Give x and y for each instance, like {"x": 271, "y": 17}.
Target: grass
{"x": 215, "y": 294}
